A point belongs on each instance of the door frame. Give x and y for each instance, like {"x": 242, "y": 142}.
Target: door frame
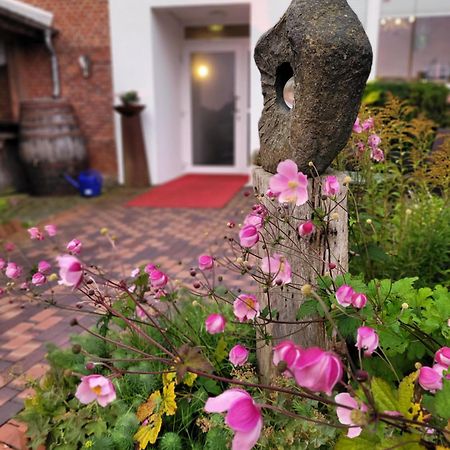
{"x": 240, "y": 47}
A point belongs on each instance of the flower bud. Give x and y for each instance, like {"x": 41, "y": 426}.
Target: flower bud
{"x": 76, "y": 349}
{"x": 369, "y": 221}
{"x": 405, "y": 306}
{"x": 347, "y": 180}
{"x": 307, "y": 289}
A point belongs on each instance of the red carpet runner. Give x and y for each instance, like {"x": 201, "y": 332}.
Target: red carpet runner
{"x": 192, "y": 191}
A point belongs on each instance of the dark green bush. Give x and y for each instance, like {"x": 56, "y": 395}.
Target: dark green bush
{"x": 429, "y": 98}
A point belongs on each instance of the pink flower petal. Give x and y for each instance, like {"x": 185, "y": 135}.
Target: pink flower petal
{"x": 224, "y": 401}
{"x": 246, "y": 441}
{"x": 288, "y": 168}
{"x": 243, "y": 415}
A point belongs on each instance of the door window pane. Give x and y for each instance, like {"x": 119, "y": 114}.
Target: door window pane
{"x": 213, "y": 97}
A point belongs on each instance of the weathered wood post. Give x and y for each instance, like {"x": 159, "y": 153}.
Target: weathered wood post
{"x": 314, "y": 65}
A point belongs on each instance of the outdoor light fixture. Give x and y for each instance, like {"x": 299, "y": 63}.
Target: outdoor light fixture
{"x": 85, "y": 63}
{"x": 202, "y": 71}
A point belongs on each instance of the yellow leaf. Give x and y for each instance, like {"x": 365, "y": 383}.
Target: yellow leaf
{"x": 168, "y": 377}
{"x": 406, "y": 396}
{"x": 148, "y": 433}
{"x": 146, "y": 409}
{"x": 189, "y": 379}
{"x": 170, "y": 404}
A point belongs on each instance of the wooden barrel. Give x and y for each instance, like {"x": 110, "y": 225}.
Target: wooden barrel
{"x": 51, "y": 145}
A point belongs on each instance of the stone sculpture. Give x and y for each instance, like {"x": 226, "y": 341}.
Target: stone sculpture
{"x": 322, "y": 45}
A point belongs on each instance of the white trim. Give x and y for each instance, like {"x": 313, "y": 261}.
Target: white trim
{"x": 240, "y": 47}
{"x": 38, "y": 15}
{"x": 373, "y": 32}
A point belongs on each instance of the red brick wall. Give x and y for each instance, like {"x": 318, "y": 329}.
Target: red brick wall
{"x": 83, "y": 27}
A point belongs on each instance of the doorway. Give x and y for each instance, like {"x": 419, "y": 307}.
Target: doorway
{"x": 215, "y": 106}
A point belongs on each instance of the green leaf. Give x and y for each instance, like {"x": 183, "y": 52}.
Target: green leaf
{"x": 307, "y": 309}
{"x": 211, "y": 386}
{"x": 97, "y": 428}
{"x": 372, "y": 97}
{"x": 221, "y": 350}
{"x": 442, "y": 401}
{"x": 359, "y": 443}
{"x": 384, "y": 395}
{"x": 405, "y": 442}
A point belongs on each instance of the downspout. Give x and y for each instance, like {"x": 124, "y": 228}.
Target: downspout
{"x": 55, "y": 65}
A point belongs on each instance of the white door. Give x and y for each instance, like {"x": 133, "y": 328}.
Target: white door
{"x": 216, "y": 106}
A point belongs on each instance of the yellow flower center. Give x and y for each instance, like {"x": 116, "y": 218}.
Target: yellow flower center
{"x": 250, "y": 303}
{"x": 293, "y": 184}
{"x": 97, "y": 390}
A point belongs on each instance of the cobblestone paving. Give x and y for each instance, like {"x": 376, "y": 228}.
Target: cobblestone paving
{"x": 160, "y": 236}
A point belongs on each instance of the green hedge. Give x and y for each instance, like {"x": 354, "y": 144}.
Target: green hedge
{"x": 429, "y": 98}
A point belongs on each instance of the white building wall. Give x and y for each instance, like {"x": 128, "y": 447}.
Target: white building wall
{"x": 143, "y": 54}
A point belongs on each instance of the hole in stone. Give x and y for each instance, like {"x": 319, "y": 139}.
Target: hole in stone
{"x": 284, "y": 85}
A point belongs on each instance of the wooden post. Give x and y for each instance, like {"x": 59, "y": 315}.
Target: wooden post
{"x": 320, "y": 54}
{"x": 309, "y": 257}
{"x": 134, "y": 153}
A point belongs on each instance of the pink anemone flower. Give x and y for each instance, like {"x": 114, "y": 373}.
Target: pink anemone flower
{"x": 215, "y": 324}
{"x": 35, "y": 234}
{"x": 359, "y": 300}
{"x": 244, "y": 416}
{"x": 44, "y": 266}
{"x": 39, "y": 279}
{"x": 368, "y": 124}
{"x": 306, "y": 228}
{"x": 13, "y": 271}
{"x": 367, "y": 340}
{"x": 238, "y": 355}
{"x": 246, "y": 307}
{"x": 51, "y": 230}
{"x": 318, "y": 370}
{"x": 248, "y": 236}
{"x": 95, "y": 387}
{"x": 346, "y": 416}
{"x": 377, "y": 154}
{"x": 331, "y": 187}
{"x": 442, "y": 357}
{"x": 290, "y": 184}
{"x": 357, "y": 128}
{"x": 205, "y": 262}
{"x": 344, "y": 295}
{"x": 74, "y": 246}
{"x": 288, "y": 352}
{"x": 70, "y": 271}
{"x": 430, "y": 379}
{"x": 158, "y": 279}
{"x": 255, "y": 220}
{"x": 277, "y": 266}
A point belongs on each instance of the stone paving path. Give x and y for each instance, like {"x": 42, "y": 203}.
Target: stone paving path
{"x": 160, "y": 236}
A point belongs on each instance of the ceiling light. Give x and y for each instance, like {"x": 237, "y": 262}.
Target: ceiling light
{"x": 216, "y": 28}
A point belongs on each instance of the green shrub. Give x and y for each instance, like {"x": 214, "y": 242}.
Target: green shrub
{"x": 429, "y": 98}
